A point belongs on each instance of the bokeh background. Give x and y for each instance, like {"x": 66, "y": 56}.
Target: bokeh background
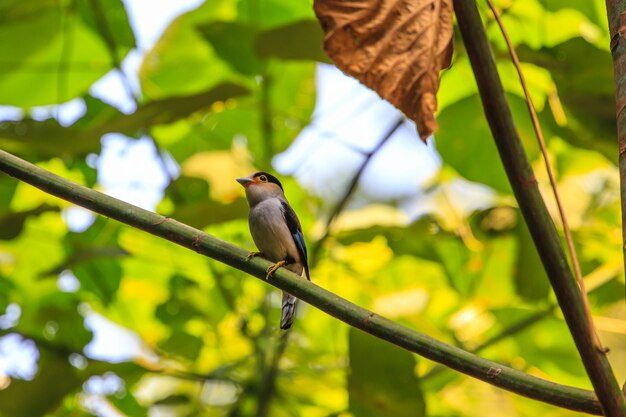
{"x": 163, "y": 104}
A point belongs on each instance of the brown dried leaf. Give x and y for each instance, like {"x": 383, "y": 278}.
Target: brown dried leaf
{"x": 395, "y": 47}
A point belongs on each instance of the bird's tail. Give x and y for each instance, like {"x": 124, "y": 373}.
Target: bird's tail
{"x": 289, "y": 311}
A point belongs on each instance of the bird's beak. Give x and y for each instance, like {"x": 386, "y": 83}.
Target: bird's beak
{"x": 244, "y": 181}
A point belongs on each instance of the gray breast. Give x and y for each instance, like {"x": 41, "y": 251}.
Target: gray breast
{"x": 270, "y": 232}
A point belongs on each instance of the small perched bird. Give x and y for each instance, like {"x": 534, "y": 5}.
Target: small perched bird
{"x": 276, "y": 232}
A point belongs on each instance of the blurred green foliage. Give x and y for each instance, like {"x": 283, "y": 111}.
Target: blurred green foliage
{"x": 232, "y": 69}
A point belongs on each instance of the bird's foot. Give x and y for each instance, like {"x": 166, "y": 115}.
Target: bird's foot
{"x": 253, "y": 254}
{"x": 274, "y": 268}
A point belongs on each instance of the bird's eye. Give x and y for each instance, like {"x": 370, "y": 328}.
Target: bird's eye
{"x": 263, "y": 178}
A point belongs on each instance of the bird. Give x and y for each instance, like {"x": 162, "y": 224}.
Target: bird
{"x": 276, "y": 232}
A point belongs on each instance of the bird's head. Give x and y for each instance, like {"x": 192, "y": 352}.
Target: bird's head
{"x": 260, "y": 186}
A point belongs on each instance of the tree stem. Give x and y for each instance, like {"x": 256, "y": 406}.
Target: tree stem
{"x": 465, "y": 362}
{"x": 533, "y": 207}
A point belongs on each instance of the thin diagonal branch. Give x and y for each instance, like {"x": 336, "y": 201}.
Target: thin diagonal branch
{"x": 358, "y": 317}
{"x": 546, "y": 158}
{"x": 616, "y": 11}
{"x": 341, "y": 205}
{"x": 533, "y": 208}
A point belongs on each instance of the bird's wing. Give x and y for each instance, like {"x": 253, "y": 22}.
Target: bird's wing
{"x": 296, "y": 232}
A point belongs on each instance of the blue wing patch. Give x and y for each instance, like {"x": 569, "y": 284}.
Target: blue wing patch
{"x": 296, "y": 232}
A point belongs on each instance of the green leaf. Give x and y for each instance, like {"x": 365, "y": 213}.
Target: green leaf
{"x": 176, "y": 312}
{"x": 382, "y": 379}
{"x": 300, "y": 40}
{"x": 550, "y": 347}
{"x": 55, "y": 379}
{"x": 57, "y": 320}
{"x": 48, "y": 138}
{"x": 402, "y": 240}
{"x": 128, "y": 404}
{"x": 465, "y": 143}
{"x": 272, "y": 13}
{"x": 584, "y": 80}
{"x": 57, "y": 51}
{"x": 194, "y": 206}
{"x": 45, "y": 139}
{"x": 8, "y": 186}
{"x": 183, "y": 344}
{"x": 111, "y": 15}
{"x": 232, "y": 41}
{"x": 86, "y": 254}
{"x": 12, "y": 223}
{"x": 531, "y": 280}
{"x": 170, "y": 109}
{"x": 610, "y": 293}
{"x": 161, "y": 71}
{"x": 463, "y": 267}
{"x": 93, "y": 256}
{"x": 176, "y": 399}
{"x": 101, "y": 277}
{"x": 7, "y": 289}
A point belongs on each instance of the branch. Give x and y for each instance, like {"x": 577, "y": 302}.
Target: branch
{"x": 546, "y": 158}
{"x": 533, "y": 208}
{"x": 491, "y": 372}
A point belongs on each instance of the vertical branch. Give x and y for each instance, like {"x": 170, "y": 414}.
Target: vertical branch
{"x": 616, "y": 11}
{"x": 533, "y": 208}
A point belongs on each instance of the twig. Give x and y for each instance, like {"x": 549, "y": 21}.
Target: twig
{"x": 351, "y": 188}
{"x": 533, "y": 208}
{"x": 616, "y": 11}
{"x": 491, "y": 372}
{"x": 546, "y": 158}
